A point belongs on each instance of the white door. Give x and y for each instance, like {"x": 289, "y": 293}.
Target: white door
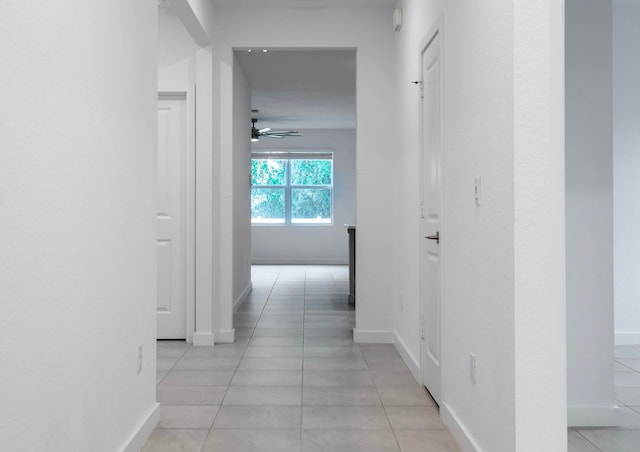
{"x": 171, "y": 199}
{"x": 431, "y": 217}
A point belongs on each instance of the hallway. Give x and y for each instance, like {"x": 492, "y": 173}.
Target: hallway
{"x": 294, "y": 380}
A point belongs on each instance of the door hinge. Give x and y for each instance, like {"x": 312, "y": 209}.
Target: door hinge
{"x": 422, "y": 331}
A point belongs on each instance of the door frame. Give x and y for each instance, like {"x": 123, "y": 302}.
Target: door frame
{"x": 189, "y": 218}
{"x": 437, "y": 29}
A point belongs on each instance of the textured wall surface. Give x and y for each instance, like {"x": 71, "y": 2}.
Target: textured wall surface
{"x": 501, "y": 124}
{"x": 77, "y": 203}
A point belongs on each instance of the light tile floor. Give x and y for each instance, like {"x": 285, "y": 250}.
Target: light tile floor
{"x": 294, "y": 380}
{"x": 627, "y": 437}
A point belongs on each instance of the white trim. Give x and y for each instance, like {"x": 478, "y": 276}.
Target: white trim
{"x": 225, "y": 336}
{"x": 302, "y": 261}
{"x": 141, "y": 435}
{"x": 173, "y": 90}
{"x": 203, "y": 339}
{"x": 409, "y": 360}
{"x": 243, "y": 296}
{"x": 292, "y": 154}
{"x": 190, "y": 216}
{"x": 627, "y": 338}
{"x": 459, "y": 432}
{"x": 593, "y": 416}
{"x": 372, "y": 337}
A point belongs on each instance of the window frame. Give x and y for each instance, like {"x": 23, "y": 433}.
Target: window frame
{"x": 288, "y": 156}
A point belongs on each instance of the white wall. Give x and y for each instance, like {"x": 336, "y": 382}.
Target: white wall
{"x": 232, "y": 150}
{"x": 176, "y": 52}
{"x": 539, "y": 199}
{"x": 232, "y": 155}
{"x": 502, "y": 292}
{"x": 183, "y": 65}
{"x": 326, "y": 244}
{"x": 589, "y": 186}
{"x": 477, "y": 247}
{"x": 626, "y": 167}
{"x": 77, "y": 184}
{"x": 241, "y": 185}
{"x": 369, "y": 31}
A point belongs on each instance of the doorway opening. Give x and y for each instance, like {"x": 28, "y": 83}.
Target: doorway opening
{"x": 299, "y": 124}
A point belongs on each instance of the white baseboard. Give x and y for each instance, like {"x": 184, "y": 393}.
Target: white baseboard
{"x": 409, "y": 360}
{"x": 225, "y": 336}
{"x": 627, "y": 338}
{"x": 142, "y": 433}
{"x": 593, "y": 416}
{"x": 243, "y": 296}
{"x": 372, "y": 337}
{"x": 300, "y": 261}
{"x": 457, "y": 429}
{"x": 203, "y": 339}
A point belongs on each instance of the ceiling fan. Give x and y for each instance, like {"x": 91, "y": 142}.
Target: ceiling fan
{"x": 267, "y": 132}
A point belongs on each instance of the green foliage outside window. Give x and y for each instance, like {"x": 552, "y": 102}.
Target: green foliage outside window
{"x": 268, "y": 204}
{"x": 310, "y": 203}
{"x": 311, "y": 172}
{"x": 291, "y": 190}
{"x": 268, "y": 172}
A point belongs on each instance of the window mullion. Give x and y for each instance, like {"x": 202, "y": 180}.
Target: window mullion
{"x": 287, "y": 195}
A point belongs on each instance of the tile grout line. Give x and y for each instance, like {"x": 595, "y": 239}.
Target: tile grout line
{"x": 174, "y": 364}
{"x": 587, "y": 440}
{"x": 238, "y": 365}
{"x": 306, "y": 292}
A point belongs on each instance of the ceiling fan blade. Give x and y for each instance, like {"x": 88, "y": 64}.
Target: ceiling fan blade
{"x": 266, "y": 129}
{"x": 281, "y": 132}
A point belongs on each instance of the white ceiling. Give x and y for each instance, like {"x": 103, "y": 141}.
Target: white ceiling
{"x": 302, "y": 89}
{"x": 300, "y": 3}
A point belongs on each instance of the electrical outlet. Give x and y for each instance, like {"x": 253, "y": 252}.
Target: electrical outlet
{"x": 139, "y": 359}
{"x": 472, "y": 367}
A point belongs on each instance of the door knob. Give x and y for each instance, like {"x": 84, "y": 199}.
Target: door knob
{"x": 435, "y": 237}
